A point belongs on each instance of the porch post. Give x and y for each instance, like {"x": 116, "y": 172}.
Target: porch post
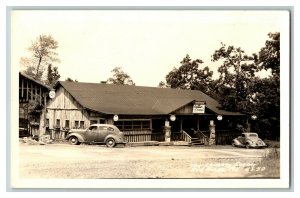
{"x": 180, "y": 124}
{"x": 212, "y": 133}
{"x": 167, "y": 131}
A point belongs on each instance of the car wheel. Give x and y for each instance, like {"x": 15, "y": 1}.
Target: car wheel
{"x": 247, "y": 145}
{"x": 233, "y": 144}
{"x": 74, "y": 140}
{"x": 110, "y": 142}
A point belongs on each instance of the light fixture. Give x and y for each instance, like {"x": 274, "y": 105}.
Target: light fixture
{"x": 253, "y": 117}
{"x": 219, "y": 117}
{"x": 172, "y": 117}
{"x": 116, "y": 117}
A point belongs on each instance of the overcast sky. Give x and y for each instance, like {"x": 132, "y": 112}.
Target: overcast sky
{"x": 146, "y": 44}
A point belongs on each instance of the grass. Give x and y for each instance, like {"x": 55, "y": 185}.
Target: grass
{"x": 269, "y": 166}
{"x": 272, "y": 143}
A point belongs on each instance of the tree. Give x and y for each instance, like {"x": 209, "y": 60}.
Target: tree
{"x": 71, "y": 80}
{"x": 236, "y": 72}
{"x": 52, "y": 75}
{"x": 162, "y": 84}
{"x": 43, "y": 51}
{"x": 269, "y": 56}
{"x": 266, "y": 91}
{"x": 120, "y": 77}
{"x": 189, "y": 76}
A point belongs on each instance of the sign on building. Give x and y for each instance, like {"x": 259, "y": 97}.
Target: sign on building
{"x": 199, "y": 107}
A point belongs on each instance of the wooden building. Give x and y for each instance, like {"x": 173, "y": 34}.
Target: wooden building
{"x": 32, "y": 98}
{"x": 140, "y": 112}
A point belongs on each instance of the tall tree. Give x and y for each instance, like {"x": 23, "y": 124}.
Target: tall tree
{"x": 236, "y": 71}
{"x": 269, "y": 55}
{"x": 266, "y": 91}
{"x": 189, "y": 76}
{"x": 43, "y": 51}
{"x": 120, "y": 77}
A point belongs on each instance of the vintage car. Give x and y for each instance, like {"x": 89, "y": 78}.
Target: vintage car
{"x": 248, "y": 140}
{"x": 97, "y": 134}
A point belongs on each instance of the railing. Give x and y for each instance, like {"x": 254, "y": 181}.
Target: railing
{"x": 176, "y": 136}
{"x": 204, "y": 138}
{"x": 225, "y": 136}
{"x": 186, "y": 137}
{"x": 143, "y": 137}
{"x": 160, "y": 137}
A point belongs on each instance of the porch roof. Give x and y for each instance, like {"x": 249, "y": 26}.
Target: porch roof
{"x": 136, "y": 100}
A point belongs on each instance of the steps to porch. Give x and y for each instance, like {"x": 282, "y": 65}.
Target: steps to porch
{"x": 196, "y": 142}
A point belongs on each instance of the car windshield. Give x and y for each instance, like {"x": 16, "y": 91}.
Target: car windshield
{"x": 252, "y": 135}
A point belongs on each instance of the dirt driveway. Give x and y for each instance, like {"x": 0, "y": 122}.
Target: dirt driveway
{"x": 94, "y": 161}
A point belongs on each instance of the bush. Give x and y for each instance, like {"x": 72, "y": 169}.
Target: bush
{"x": 272, "y": 143}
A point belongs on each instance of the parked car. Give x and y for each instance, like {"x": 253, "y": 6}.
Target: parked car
{"x": 248, "y": 140}
{"x": 98, "y": 134}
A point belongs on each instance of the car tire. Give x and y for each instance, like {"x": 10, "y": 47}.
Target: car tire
{"x": 110, "y": 142}
{"x": 233, "y": 144}
{"x": 74, "y": 140}
{"x": 247, "y": 145}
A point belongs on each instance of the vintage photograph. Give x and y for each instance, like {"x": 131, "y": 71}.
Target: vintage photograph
{"x": 148, "y": 94}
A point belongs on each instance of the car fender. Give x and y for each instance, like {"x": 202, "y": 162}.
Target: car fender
{"x": 250, "y": 142}
{"x": 116, "y": 138}
{"x": 80, "y": 137}
{"x": 237, "y": 142}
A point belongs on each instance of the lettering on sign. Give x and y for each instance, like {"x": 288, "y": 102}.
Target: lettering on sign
{"x": 199, "y": 107}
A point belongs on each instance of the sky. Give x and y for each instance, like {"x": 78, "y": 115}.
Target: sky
{"x": 146, "y": 44}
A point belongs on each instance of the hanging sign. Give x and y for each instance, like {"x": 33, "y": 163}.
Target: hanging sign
{"x": 199, "y": 107}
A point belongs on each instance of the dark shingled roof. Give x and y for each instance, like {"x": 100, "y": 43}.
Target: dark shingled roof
{"x": 136, "y": 100}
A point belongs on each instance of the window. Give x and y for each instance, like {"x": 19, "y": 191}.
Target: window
{"x": 93, "y": 128}
{"x": 57, "y": 125}
{"x": 252, "y": 135}
{"x": 47, "y": 122}
{"x": 103, "y": 127}
{"x": 67, "y": 123}
{"x": 82, "y": 124}
{"x": 93, "y": 122}
{"x": 102, "y": 121}
{"x": 76, "y": 125}
{"x": 133, "y": 125}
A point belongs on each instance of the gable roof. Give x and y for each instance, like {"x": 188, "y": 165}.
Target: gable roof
{"x": 136, "y": 100}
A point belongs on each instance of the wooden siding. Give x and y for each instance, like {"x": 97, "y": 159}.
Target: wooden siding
{"x": 188, "y": 109}
{"x": 64, "y": 107}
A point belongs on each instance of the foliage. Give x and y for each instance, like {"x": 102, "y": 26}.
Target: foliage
{"x": 189, "y": 76}
{"x": 43, "y": 51}
{"x": 120, "y": 77}
{"x": 269, "y": 55}
{"x": 266, "y": 92}
{"x": 162, "y": 84}
{"x": 71, "y": 80}
{"x": 236, "y": 74}
{"x": 238, "y": 88}
{"x": 52, "y": 75}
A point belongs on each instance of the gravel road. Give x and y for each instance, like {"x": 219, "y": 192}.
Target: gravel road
{"x": 94, "y": 161}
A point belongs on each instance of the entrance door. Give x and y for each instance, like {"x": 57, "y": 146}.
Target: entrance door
{"x": 189, "y": 124}
{"x": 103, "y": 132}
{"x": 92, "y": 134}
